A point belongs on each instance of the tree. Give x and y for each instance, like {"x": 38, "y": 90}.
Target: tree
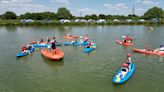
{"x": 102, "y": 16}
{"x": 9, "y": 15}
{"x": 94, "y": 17}
{"x": 154, "y": 12}
{"x": 64, "y": 13}
{"x": 26, "y": 16}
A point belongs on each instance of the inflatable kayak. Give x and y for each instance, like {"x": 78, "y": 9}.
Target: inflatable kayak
{"x": 124, "y": 44}
{"x": 71, "y": 37}
{"x": 118, "y": 80}
{"x": 87, "y": 50}
{"x": 25, "y": 53}
{"x": 41, "y": 45}
{"x": 80, "y": 43}
{"x": 58, "y": 54}
{"x": 45, "y": 45}
{"x": 159, "y": 53}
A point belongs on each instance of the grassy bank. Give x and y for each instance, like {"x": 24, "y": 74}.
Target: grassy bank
{"x": 55, "y": 22}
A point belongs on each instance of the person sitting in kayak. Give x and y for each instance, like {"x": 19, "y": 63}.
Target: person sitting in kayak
{"x": 53, "y": 45}
{"x": 81, "y": 39}
{"x": 147, "y": 48}
{"x": 48, "y": 40}
{"x": 24, "y": 49}
{"x": 127, "y": 39}
{"x": 29, "y": 46}
{"x": 123, "y": 72}
{"x": 161, "y": 48}
{"x": 68, "y": 35}
{"x": 86, "y": 38}
{"x": 41, "y": 41}
{"x": 89, "y": 44}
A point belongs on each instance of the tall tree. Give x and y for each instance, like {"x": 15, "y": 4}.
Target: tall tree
{"x": 94, "y": 17}
{"x": 154, "y": 12}
{"x": 9, "y": 15}
{"x": 64, "y": 13}
{"x": 102, "y": 16}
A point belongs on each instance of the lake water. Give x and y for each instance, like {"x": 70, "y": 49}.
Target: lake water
{"x": 78, "y": 71}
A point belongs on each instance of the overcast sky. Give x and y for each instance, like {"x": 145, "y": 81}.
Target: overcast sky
{"x": 120, "y": 7}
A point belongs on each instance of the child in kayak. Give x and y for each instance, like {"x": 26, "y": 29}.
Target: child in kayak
{"x": 123, "y": 72}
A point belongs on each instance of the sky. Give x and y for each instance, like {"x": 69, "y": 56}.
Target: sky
{"x": 80, "y": 7}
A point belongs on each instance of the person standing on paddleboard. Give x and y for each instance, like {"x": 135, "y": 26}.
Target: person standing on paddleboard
{"x": 53, "y": 45}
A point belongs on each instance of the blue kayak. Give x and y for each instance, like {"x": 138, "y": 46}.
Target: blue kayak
{"x": 127, "y": 76}
{"x": 45, "y": 45}
{"x": 41, "y": 45}
{"x": 68, "y": 43}
{"x": 80, "y": 43}
{"x": 88, "y": 50}
{"x": 25, "y": 53}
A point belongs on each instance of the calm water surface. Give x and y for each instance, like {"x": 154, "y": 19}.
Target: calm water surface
{"x": 78, "y": 71}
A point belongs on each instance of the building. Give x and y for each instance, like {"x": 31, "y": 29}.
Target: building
{"x": 101, "y": 21}
{"x": 27, "y": 20}
{"x": 116, "y": 20}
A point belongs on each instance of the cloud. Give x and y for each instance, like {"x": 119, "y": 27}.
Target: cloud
{"x": 118, "y": 6}
{"x": 66, "y": 2}
{"x": 21, "y": 6}
{"x": 87, "y": 11}
{"x": 147, "y": 2}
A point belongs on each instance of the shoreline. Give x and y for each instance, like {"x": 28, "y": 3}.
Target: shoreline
{"x": 18, "y": 23}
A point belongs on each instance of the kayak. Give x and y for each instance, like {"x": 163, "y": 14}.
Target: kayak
{"x": 118, "y": 80}
{"x": 45, "y": 45}
{"x": 80, "y": 43}
{"x": 159, "y": 53}
{"x": 58, "y": 54}
{"x": 71, "y": 37}
{"x": 143, "y": 51}
{"x": 75, "y": 43}
{"x": 68, "y": 43}
{"x": 88, "y": 50}
{"x": 25, "y": 53}
{"x": 124, "y": 44}
{"x": 41, "y": 45}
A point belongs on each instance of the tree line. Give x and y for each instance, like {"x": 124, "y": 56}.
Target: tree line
{"x": 64, "y": 13}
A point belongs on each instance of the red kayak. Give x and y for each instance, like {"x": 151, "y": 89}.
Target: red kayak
{"x": 124, "y": 44}
{"x": 52, "y": 55}
{"x": 159, "y": 53}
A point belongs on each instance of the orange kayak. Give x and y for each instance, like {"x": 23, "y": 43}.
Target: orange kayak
{"x": 159, "y": 53}
{"x": 71, "y": 37}
{"x": 124, "y": 44}
{"x": 52, "y": 55}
